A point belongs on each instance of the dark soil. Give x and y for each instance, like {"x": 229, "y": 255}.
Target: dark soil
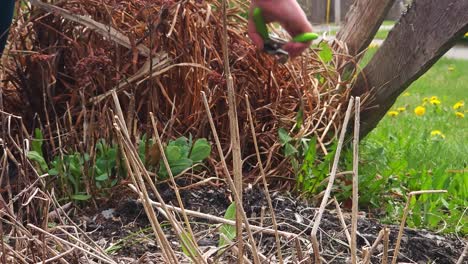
{"x": 127, "y": 227}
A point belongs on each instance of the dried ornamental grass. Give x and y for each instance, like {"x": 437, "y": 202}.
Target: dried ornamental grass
{"x": 159, "y": 56}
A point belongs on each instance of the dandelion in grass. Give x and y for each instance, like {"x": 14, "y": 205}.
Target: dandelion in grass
{"x": 425, "y": 100}
{"x": 451, "y": 68}
{"x": 434, "y": 101}
{"x": 393, "y": 113}
{"x": 437, "y": 134}
{"x": 420, "y": 110}
{"x": 401, "y": 109}
{"x": 458, "y": 105}
{"x": 459, "y": 114}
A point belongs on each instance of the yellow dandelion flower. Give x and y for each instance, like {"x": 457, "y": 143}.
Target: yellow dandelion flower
{"x": 466, "y": 35}
{"x": 434, "y": 98}
{"x": 459, "y": 114}
{"x": 401, "y": 109}
{"x": 420, "y": 110}
{"x": 437, "y": 133}
{"x": 406, "y": 94}
{"x": 434, "y": 101}
{"x": 392, "y": 113}
{"x": 458, "y": 105}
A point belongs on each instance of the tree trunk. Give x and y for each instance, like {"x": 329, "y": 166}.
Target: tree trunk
{"x": 428, "y": 30}
{"x": 362, "y": 22}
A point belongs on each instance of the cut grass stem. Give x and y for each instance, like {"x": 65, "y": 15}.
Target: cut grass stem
{"x": 331, "y": 180}
{"x": 403, "y": 219}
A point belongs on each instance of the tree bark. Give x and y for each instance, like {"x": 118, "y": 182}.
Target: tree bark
{"x": 362, "y": 22}
{"x": 428, "y": 30}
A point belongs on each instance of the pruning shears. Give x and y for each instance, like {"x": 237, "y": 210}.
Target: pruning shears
{"x": 273, "y": 45}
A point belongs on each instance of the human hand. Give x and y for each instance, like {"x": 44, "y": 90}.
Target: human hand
{"x": 289, "y": 15}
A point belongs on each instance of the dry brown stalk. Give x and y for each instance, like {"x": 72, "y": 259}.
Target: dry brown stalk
{"x": 385, "y": 243}
{"x": 342, "y": 221}
{"x": 135, "y": 175}
{"x": 265, "y": 183}
{"x": 354, "y": 215}
{"x": 174, "y": 184}
{"x": 463, "y": 255}
{"x": 331, "y": 180}
{"x": 405, "y": 215}
{"x": 230, "y": 181}
{"x": 367, "y": 258}
{"x": 235, "y": 140}
{"x": 89, "y": 251}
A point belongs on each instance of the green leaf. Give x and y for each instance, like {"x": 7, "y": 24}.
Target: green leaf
{"x": 81, "y": 197}
{"x": 183, "y": 144}
{"x": 326, "y": 53}
{"x": 53, "y": 172}
{"x": 173, "y": 153}
{"x": 187, "y": 239}
{"x": 177, "y": 167}
{"x": 307, "y": 166}
{"x": 102, "y": 177}
{"x": 299, "y": 118}
{"x": 289, "y": 150}
{"x": 201, "y": 150}
{"x": 283, "y": 136}
{"x": 39, "y": 159}
{"x": 36, "y": 143}
{"x": 228, "y": 230}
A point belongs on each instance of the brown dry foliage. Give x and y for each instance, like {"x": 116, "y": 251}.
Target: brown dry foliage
{"x": 58, "y": 67}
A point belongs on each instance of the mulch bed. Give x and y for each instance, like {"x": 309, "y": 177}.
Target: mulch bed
{"x": 122, "y": 222}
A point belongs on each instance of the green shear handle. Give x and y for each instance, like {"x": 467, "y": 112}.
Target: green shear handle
{"x": 263, "y": 30}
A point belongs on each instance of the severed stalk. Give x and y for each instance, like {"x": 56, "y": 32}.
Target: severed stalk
{"x": 265, "y": 184}
{"x": 354, "y": 210}
{"x": 237, "y": 198}
{"x": 403, "y": 219}
{"x": 234, "y": 131}
{"x": 385, "y": 245}
{"x": 331, "y": 180}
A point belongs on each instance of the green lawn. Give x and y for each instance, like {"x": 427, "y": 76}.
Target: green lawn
{"x": 403, "y": 153}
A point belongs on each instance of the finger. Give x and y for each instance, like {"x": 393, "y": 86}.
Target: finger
{"x": 253, "y": 34}
{"x": 295, "y": 49}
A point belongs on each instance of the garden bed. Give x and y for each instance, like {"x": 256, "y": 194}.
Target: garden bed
{"x": 126, "y": 232}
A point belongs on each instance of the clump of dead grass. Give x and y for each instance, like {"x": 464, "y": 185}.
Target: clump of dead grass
{"x": 159, "y": 57}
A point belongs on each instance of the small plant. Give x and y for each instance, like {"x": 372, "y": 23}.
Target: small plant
{"x": 310, "y": 168}
{"x": 106, "y": 165}
{"x": 182, "y": 154}
{"x": 70, "y": 172}
{"x": 35, "y": 154}
{"x": 74, "y": 172}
